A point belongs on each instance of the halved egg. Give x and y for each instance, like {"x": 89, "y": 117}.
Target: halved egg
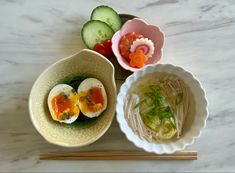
{"x": 63, "y": 103}
{"x": 92, "y": 97}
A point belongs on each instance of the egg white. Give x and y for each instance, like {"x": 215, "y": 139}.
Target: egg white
{"x": 68, "y": 90}
{"x": 84, "y": 87}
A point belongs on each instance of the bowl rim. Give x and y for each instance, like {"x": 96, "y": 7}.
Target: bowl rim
{"x": 51, "y": 67}
{"x": 135, "y": 139}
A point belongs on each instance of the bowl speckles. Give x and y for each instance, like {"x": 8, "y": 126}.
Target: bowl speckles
{"x": 88, "y": 62}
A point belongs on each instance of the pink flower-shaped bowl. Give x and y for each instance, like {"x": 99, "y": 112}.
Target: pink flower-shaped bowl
{"x": 148, "y": 31}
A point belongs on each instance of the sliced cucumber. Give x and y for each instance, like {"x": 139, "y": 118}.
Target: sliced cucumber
{"x": 95, "y": 31}
{"x": 107, "y": 15}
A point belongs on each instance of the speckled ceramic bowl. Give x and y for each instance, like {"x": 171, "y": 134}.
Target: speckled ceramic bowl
{"x": 88, "y": 62}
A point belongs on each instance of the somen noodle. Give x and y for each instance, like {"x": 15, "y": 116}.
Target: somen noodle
{"x": 157, "y": 105}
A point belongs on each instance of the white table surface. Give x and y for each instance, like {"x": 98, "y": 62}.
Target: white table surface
{"x": 200, "y": 36}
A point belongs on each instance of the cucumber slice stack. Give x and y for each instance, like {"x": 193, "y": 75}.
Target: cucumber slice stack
{"x": 107, "y": 15}
{"x": 103, "y": 24}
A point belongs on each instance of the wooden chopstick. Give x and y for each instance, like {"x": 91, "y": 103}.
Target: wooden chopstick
{"x": 118, "y": 155}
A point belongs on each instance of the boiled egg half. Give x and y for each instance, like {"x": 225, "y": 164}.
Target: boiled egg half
{"x": 92, "y": 97}
{"x": 63, "y": 104}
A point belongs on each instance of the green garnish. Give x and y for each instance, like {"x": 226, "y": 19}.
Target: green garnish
{"x": 165, "y": 112}
{"x": 158, "y": 108}
{"x": 155, "y": 87}
{"x": 140, "y": 103}
{"x": 156, "y": 111}
{"x": 156, "y": 98}
{"x": 66, "y": 116}
{"x": 65, "y": 96}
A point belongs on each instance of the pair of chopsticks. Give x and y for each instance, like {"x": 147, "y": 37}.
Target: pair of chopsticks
{"x": 118, "y": 155}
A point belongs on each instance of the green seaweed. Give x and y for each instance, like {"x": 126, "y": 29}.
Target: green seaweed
{"x": 74, "y": 81}
{"x": 82, "y": 122}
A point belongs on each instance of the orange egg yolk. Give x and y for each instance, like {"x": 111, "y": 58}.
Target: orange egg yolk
{"x": 92, "y": 100}
{"x": 64, "y": 107}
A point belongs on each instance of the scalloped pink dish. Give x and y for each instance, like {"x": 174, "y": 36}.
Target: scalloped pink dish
{"x": 148, "y": 31}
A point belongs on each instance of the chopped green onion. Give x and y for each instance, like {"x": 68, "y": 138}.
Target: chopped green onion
{"x": 140, "y": 103}
{"x": 155, "y": 87}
